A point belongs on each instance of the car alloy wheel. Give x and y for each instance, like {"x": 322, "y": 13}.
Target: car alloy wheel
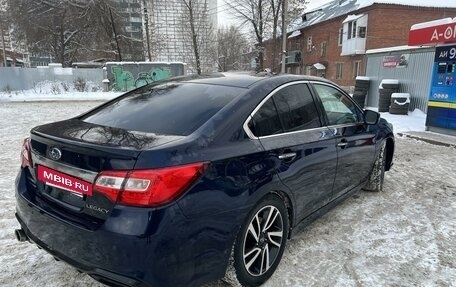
{"x": 261, "y": 242}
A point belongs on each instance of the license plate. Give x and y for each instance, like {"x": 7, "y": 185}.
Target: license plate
{"x": 63, "y": 181}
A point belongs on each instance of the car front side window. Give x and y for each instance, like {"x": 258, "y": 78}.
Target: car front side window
{"x": 339, "y": 109}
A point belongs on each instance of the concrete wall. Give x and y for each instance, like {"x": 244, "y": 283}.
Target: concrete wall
{"x": 414, "y": 79}
{"x": 129, "y": 75}
{"x": 26, "y": 78}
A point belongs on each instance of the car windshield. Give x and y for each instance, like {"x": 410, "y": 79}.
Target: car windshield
{"x": 169, "y": 109}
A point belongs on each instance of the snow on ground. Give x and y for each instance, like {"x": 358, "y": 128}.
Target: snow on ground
{"x": 404, "y": 236}
{"x": 414, "y": 121}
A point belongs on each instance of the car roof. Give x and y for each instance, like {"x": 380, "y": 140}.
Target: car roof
{"x": 245, "y": 79}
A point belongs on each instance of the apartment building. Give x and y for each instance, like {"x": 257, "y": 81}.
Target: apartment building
{"x": 168, "y": 22}
{"x": 331, "y": 41}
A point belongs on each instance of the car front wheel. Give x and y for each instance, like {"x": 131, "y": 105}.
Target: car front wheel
{"x": 261, "y": 241}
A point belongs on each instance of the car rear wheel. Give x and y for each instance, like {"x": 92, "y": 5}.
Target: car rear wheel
{"x": 377, "y": 176}
{"x": 261, "y": 241}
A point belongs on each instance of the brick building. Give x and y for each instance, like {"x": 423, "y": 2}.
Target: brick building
{"x": 332, "y": 40}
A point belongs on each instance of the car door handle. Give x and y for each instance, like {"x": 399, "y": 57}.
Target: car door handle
{"x": 343, "y": 143}
{"x": 288, "y": 155}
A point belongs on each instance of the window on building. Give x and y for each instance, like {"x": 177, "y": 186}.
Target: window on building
{"x": 351, "y": 33}
{"x": 309, "y": 44}
{"x": 356, "y": 68}
{"x": 354, "y": 30}
{"x": 324, "y": 46}
{"x": 341, "y": 36}
{"x": 362, "y": 32}
{"x": 339, "y": 67}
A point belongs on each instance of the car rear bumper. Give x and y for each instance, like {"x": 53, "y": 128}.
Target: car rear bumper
{"x": 133, "y": 247}
{"x": 99, "y": 274}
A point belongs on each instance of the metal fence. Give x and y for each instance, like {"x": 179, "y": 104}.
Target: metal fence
{"x": 13, "y": 79}
{"x": 414, "y": 79}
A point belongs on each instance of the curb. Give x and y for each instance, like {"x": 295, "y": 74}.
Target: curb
{"x": 430, "y": 141}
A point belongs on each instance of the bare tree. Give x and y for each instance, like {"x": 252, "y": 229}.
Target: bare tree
{"x": 192, "y": 8}
{"x": 155, "y": 41}
{"x": 197, "y": 30}
{"x": 276, "y": 9}
{"x": 52, "y": 25}
{"x": 66, "y": 29}
{"x": 265, "y": 18}
{"x": 257, "y": 13}
{"x": 231, "y": 45}
{"x": 3, "y": 21}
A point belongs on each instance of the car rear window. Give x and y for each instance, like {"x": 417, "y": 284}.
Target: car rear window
{"x": 170, "y": 109}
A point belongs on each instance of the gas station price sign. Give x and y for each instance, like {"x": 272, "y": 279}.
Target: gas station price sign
{"x": 441, "y": 113}
{"x": 445, "y": 53}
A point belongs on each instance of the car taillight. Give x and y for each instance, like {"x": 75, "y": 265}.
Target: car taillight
{"x": 148, "y": 188}
{"x": 26, "y": 157}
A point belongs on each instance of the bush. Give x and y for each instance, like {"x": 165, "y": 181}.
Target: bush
{"x": 66, "y": 87}
{"x": 55, "y": 88}
{"x": 7, "y": 89}
{"x": 80, "y": 85}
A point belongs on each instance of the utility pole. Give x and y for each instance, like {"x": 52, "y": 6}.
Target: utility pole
{"x": 5, "y": 63}
{"x": 284, "y": 34}
{"x": 146, "y": 22}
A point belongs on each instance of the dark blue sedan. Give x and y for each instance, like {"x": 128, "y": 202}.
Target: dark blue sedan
{"x": 174, "y": 182}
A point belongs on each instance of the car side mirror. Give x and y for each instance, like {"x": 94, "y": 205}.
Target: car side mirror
{"x": 371, "y": 117}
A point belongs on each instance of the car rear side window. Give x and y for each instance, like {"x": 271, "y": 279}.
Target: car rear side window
{"x": 296, "y": 108}
{"x": 170, "y": 109}
{"x": 291, "y": 108}
{"x": 266, "y": 120}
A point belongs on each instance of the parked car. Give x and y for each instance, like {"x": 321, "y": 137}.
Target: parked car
{"x": 171, "y": 183}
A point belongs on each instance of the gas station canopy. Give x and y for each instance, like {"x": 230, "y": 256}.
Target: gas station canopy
{"x": 433, "y": 32}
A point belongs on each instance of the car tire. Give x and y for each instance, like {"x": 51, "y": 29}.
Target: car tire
{"x": 377, "y": 176}
{"x": 261, "y": 241}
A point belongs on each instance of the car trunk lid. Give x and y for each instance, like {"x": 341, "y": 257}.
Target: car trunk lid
{"x": 67, "y": 157}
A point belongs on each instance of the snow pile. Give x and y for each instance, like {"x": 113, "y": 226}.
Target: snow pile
{"x": 58, "y": 90}
{"x": 58, "y": 87}
{"x": 414, "y": 121}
